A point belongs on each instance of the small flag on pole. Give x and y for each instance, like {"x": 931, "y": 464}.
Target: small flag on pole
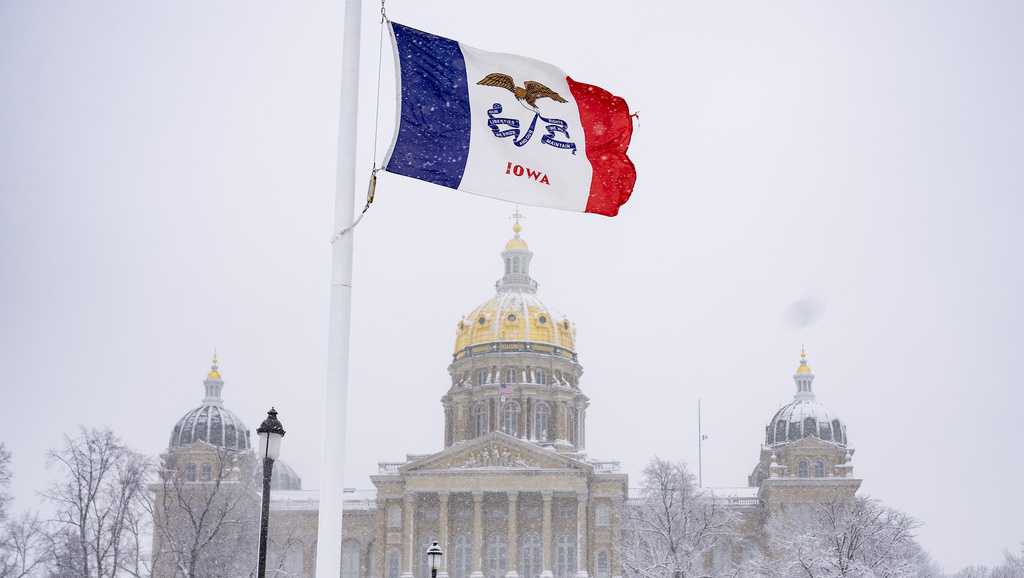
{"x": 504, "y": 391}
{"x": 507, "y": 127}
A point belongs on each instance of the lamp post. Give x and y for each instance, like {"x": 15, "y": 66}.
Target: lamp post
{"x": 434, "y": 554}
{"x": 270, "y": 433}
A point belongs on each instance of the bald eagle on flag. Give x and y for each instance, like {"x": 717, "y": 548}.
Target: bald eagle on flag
{"x": 507, "y": 127}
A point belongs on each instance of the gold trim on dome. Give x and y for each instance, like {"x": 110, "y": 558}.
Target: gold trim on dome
{"x": 519, "y": 317}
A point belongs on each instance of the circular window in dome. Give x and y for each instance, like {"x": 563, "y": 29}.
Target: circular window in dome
{"x": 482, "y": 320}
{"x": 511, "y": 317}
{"x": 542, "y": 320}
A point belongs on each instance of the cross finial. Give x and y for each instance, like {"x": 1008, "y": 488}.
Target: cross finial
{"x": 516, "y": 217}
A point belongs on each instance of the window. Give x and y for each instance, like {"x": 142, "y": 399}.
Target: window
{"x": 480, "y": 422}
{"x": 510, "y": 418}
{"x": 810, "y": 427}
{"x": 769, "y": 439}
{"x": 801, "y": 469}
{"x": 508, "y": 375}
{"x": 462, "y": 562}
{"x": 394, "y": 516}
{"x": 394, "y": 563}
{"x": 825, "y": 431}
{"x": 530, "y": 555}
{"x": 541, "y": 416}
{"x": 837, "y": 432}
{"x": 604, "y": 567}
{"x": 206, "y": 473}
{"x": 819, "y": 469}
{"x": 496, "y": 556}
{"x": 573, "y": 426}
{"x": 350, "y": 559}
{"x": 508, "y": 266}
{"x": 190, "y": 472}
{"x": 794, "y": 430}
{"x": 540, "y": 376}
{"x": 780, "y": 432}
{"x": 602, "y": 514}
{"x": 565, "y": 557}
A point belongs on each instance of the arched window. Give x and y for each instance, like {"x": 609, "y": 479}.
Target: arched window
{"x": 801, "y": 469}
{"x": 837, "y": 432}
{"x": 530, "y": 555}
{"x": 541, "y": 417}
{"x": 508, "y": 375}
{"x": 819, "y": 469}
{"x": 540, "y": 376}
{"x": 604, "y": 567}
{"x": 481, "y": 376}
{"x": 394, "y": 564}
{"x": 810, "y": 427}
{"x": 769, "y": 437}
{"x": 462, "y": 562}
{"x": 480, "y": 417}
{"x": 510, "y": 418}
{"x": 496, "y": 556}
{"x": 565, "y": 556}
{"x": 780, "y": 432}
{"x": 350, "y": 562}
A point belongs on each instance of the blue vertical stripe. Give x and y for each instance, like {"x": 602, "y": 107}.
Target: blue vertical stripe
{"x": 433, "y": 133}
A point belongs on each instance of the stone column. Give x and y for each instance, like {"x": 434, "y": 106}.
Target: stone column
{"x": 442, "y": 533}
{"x": 513, "y": 535}
{"x": 381, "y": 539}
{"x": 581, "y": 535}
{"x": 408, "y": 535}
{"x": 546, "y": 536}
{"x": 478, "y": 535}
{"x": 618, "y": 510}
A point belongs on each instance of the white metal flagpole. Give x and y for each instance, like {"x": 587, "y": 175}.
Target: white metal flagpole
{"x": 328, "y": 542}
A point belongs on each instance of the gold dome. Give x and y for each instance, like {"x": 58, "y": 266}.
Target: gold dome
{"x": 515, "y": 313}
{"x": 516, "y": 244}
{"x": 515, "y": 317}
{"x": 214, "y": 370}
{"x": 804, "y": 368}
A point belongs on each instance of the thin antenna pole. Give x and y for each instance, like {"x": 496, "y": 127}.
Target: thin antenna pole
{"x": 700, "y": 448}
{"x": 335, "y": 394}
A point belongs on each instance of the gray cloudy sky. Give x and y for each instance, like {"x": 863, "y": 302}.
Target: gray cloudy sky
{"x": 166, "y": 187}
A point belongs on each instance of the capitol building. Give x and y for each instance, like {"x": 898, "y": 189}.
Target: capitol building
{"x": 512, "y": 491}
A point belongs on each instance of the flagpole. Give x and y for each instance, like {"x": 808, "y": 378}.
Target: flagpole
{"x": 700, "y": 448}
{"x": 328, "y": 543}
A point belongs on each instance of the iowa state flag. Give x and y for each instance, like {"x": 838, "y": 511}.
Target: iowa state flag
{"x": 507, "y": 127}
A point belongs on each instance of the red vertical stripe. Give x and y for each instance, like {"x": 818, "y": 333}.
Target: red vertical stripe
{"x": 608, "y": 128}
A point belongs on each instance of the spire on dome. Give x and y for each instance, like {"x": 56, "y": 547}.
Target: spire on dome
{"x": 517, "y": 256}
{"x": 213, "y": 384}
{"x": 803, "y": 377}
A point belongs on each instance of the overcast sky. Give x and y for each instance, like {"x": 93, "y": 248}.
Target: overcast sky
{"x": 167, "y": 184}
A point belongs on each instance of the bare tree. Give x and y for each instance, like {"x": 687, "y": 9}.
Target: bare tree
{"x": 24, "y": 550}
{"x": 856, "y": 537}
{"x": 99, "y": 490}
{"x": 205, "y": 527}
{"x": 5, "y": 480}
{"x": 673, "y": 526}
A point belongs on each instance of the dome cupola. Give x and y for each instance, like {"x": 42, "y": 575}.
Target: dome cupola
{"x": 804, "y": 416}
{"x": 514, "y": 369}
{"x": 211, "y": 422}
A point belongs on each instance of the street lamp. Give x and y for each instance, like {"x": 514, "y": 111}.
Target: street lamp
{"x": 270, "y": 433}
{"x": 434, "y": 554}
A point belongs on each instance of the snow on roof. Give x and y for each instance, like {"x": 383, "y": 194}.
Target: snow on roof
{"x": 309, "y": 500}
